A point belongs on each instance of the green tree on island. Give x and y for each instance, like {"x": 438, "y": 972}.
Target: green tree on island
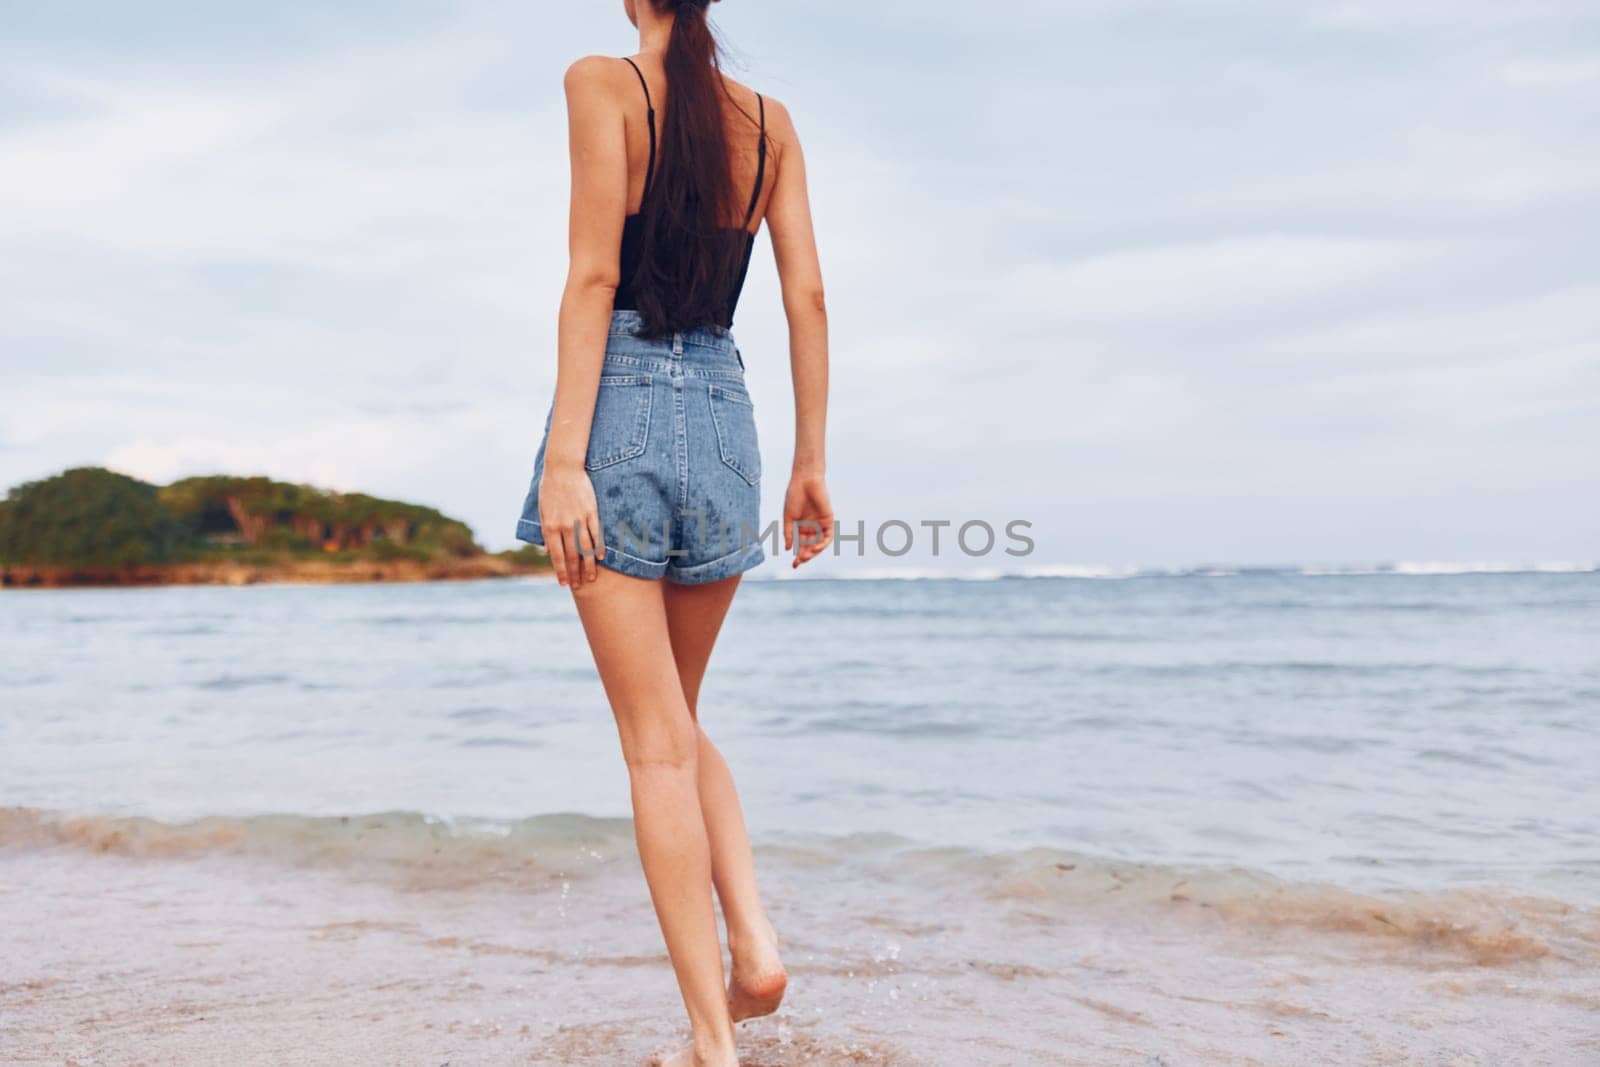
{"x": 96, "y": 520}
{"x": 88, "y": 517}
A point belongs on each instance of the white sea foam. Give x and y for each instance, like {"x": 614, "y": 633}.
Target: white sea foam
{"x": 1108, "y": 572}
{"x": 1550, "y": 567}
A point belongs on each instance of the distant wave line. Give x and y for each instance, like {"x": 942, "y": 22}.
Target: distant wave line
{"x": 1093, "y": 572}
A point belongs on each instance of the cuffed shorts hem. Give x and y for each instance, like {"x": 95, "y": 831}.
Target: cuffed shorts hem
{"x": 733, "y": 563}
{"x": 736, "y": 562}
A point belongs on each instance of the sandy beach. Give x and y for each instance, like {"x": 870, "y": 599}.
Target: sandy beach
{"x": 390, "y": 940}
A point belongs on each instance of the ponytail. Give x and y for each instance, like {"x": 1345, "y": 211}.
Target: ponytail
{"x": 687, "y": 267}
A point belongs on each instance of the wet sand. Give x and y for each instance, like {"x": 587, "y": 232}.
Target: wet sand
{"x": 383, "y": 941}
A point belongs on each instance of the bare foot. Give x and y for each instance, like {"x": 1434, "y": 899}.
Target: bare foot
{"x": 685, "y": 1057}
{"x": 759, "y": 980}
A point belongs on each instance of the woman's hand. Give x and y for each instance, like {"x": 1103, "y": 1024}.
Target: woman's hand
{"x": 807, "y": 506}
{"x": 570, "y": 519}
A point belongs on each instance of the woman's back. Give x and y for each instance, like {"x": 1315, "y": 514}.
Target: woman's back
{"x": 743, "y": 137}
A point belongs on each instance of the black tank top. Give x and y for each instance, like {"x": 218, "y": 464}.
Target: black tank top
{"x": 633, "y": 225}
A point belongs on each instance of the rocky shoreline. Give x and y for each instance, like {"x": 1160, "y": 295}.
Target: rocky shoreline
{"x": 306, "y": 572}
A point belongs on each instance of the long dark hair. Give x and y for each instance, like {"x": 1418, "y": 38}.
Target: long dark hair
{"x": 687, "y": 265}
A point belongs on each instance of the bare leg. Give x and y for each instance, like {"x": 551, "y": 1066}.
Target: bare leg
{"x": 626, "y": 622}
{"x": 694, "y": 617}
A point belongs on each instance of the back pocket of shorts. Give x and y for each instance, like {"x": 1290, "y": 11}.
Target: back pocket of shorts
{"x": 621, "y": 424}
{"x": 735, "y": 419}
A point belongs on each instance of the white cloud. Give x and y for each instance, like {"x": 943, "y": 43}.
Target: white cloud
{"x": 1444, "y": 16}
{"x": 1216, "y": 279}
{"x": 1558, "y": 72}
{"x": 1565, "y": 318}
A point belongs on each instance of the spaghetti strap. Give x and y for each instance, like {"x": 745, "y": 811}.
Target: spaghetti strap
{"x": 761, "y": 163}
{"x": 650, "y": 108}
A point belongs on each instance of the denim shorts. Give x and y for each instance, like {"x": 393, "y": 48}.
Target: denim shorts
{"x": 673, "y": 457}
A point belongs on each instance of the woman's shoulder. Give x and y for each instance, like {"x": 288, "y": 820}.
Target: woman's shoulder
{"x": 780, "y": 125}
{"x": 596, "y": 74}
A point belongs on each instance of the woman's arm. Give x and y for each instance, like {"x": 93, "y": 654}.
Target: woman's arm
{"x": 568, "y": 513}
{"x": 794, "y": 244}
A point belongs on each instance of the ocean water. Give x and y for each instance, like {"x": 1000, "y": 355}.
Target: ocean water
{"x": 1269, "y": 817}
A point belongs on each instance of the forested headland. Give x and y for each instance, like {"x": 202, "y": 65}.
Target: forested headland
{"x": 92, "y": 526}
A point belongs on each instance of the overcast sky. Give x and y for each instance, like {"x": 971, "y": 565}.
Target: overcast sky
{"x": 1249, "y": 281}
